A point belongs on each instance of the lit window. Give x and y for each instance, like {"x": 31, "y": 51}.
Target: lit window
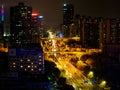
{"x": 39, "y": 56}
{"x": 28, "y": 60}
{"x": 21, "y": 66}
{"x": 40, "y": 63}
{"x": 14, "y": 63}
{"x": 21, "y": 60}
{"x": 32, "y": 63}
{"x": 32, "y": 69}
{"x": 39, "y": 69}
{"x": 28, "y": 66}
{"x": 40, "y": 59}
{"x": 35, "y": 66}
{"x": 25, "y": 69}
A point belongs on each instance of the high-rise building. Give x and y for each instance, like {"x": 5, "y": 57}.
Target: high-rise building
{"x": 37, "y": 30}
{"x": 23, "y": 54}
{"x": 20, "y": 24}
{"x": 111, "y": 31}
{"x": 91, "y": 33}
{"x": 88, "y": 30}
{"x": 68, "y": 14}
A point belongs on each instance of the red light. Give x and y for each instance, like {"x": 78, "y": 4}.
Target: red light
{"x": 34, "y": 14}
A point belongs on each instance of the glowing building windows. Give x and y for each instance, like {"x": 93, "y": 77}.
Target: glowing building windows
{"x": 39, "y": 69}
{"x": 40, "y": 63}
{"x": 21, "y": 66}
{"x": 28, "y": 60}
{"x": 14, "y": 63}
{"x": 32, "y": 69}
{"x": 28, "y": 66}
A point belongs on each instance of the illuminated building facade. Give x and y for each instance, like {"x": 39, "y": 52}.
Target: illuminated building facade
{"x": 37, "y": 30}
{"x": 20, "y": 24}
{"x": 24, "y": 55}
{"x": 2, "y": 18}
{"x": 29, "y": 58}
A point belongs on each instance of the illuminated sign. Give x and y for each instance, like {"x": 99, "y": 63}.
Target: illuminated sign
{"x": 40, "y": 17}
{"x": 34, "y": 14}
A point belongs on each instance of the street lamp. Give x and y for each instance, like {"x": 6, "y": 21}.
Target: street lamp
{"x": 103, "y": 84}
{"x": 90, "y": 74}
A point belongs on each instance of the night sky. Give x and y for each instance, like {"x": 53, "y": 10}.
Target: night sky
{"x": 52, "y": 9}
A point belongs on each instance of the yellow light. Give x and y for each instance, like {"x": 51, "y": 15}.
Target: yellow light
{"x": 28, "y": 66}
{"x": 40, "y": 63}
{"x": 21, "y": 66}
{"x": 90, "y": 74}
{"x": 28, "y": 60}
{"x": 14, "y": 63}
{"x": 102, "y": 84}
{"x": 14, "y": 66}
{"x": 39, "y": 69}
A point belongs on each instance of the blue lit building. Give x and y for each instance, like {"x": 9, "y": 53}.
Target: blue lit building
{"x": 29, "y": 58}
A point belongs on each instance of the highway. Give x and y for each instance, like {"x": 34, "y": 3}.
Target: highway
{"x": 74, "y": 76}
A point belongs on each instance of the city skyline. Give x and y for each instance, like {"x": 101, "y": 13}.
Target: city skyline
{"x": 99, "y": 8}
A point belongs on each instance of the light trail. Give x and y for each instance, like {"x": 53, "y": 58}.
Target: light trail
{"x": 62, "y": 59}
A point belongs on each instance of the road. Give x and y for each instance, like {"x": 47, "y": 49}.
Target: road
{"x": 62, "y": 58}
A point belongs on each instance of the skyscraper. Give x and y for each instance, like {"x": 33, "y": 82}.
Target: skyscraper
{"x": 37, "y": 30}
{"x": 23, "y": 54}
{"x": 68, "y": 14}
{"x": 20, "y": 23}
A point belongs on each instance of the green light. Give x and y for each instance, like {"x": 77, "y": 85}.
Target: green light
{"x": 49, "y": 78}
